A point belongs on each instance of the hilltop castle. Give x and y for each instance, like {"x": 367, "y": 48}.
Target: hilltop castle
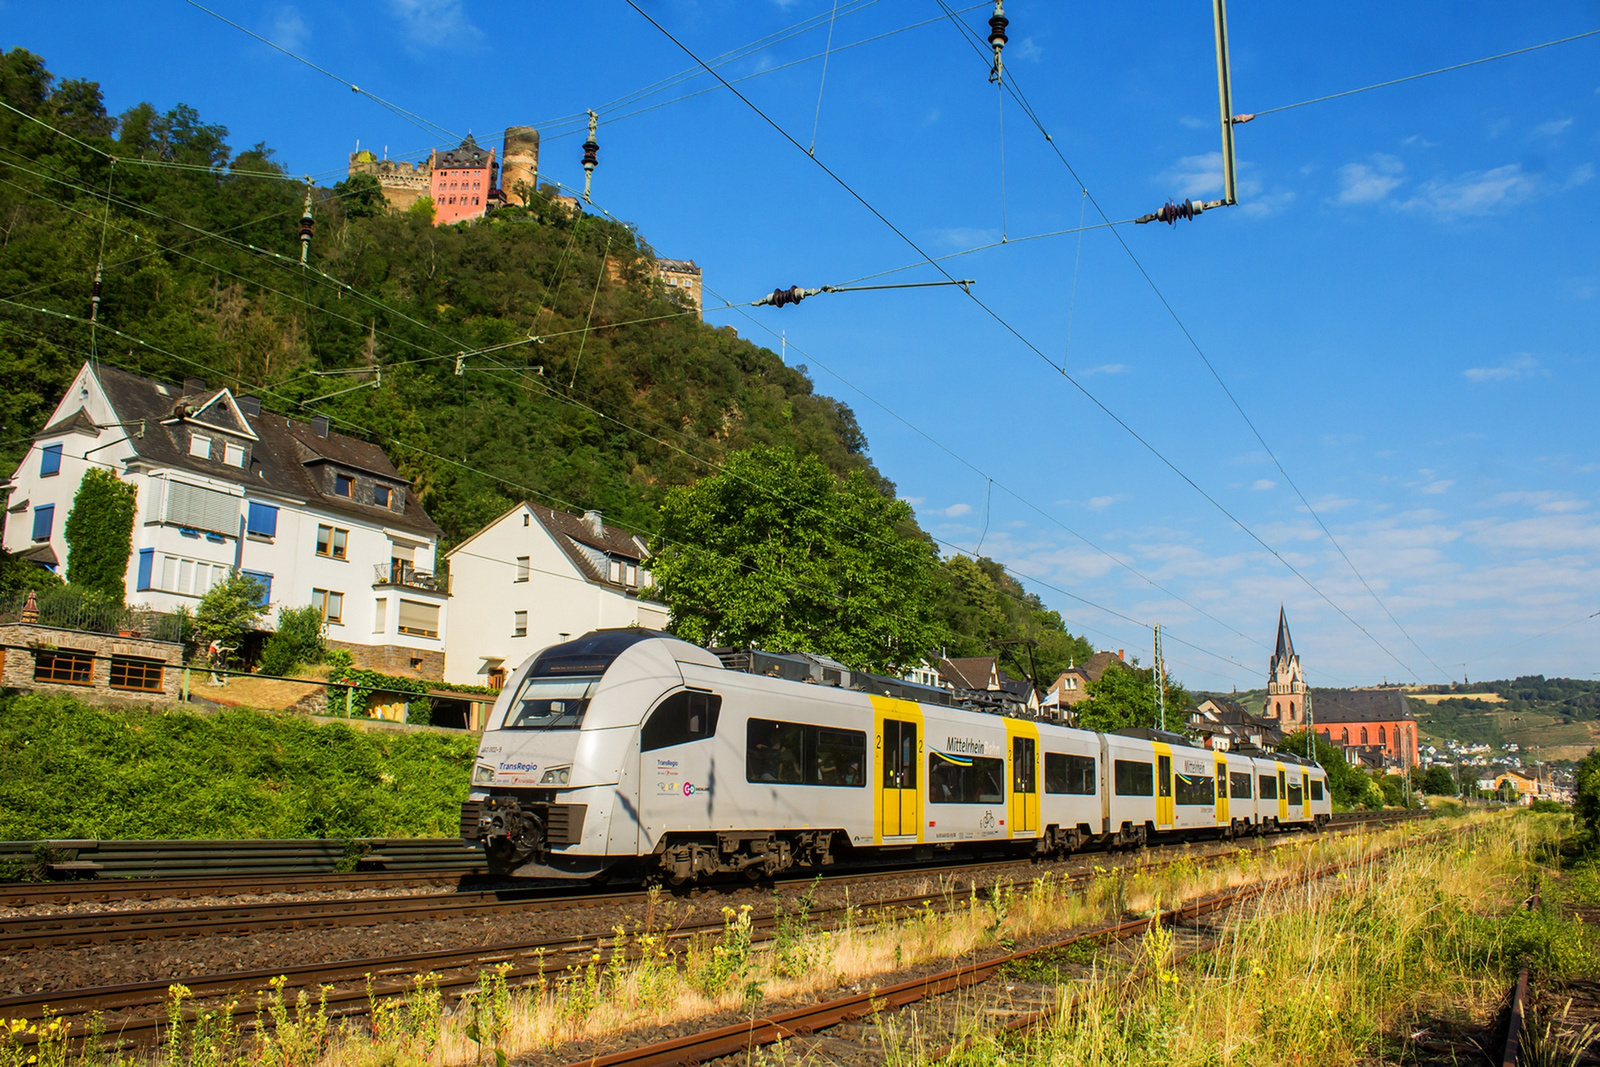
{"x": 464, "y": 181}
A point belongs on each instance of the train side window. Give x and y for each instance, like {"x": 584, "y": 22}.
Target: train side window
{"x": 1074, "y": 775}
{"x": 1239, "y": 785}
{"x": 682, "y": 717}
{"x": 1269, "y": 787}
{"x": 1316, "y": 789}
{"x": 1296, "y": 793}
{"x": 792, "y": 753}
{"x": 1196, "y": 789}
{"x": 1134, "y": 778}
{"x": 965, "y": 779}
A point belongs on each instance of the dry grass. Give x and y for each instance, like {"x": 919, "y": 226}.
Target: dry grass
{"x": 658, "y": 981}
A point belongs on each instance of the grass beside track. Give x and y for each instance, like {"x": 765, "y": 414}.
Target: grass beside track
{"x": 655, "y": 983}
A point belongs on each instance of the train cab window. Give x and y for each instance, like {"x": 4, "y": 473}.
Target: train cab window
{"x": 550, "y": 704}
{"x": 1316, "y": 789}
{"x": 1164, "y": 775}
{"x": 1134, "y": 778}
{"x": 965, "y": 779}
{"x": 1074, "y": 775}
{"x": 682, "y": 717}
{"x": 792, "y": 753}
{"x": 1269, "y": 787}
{"x": 1196, "y": 789}
{"x": 1296, "y": 793}
{"x": 1023, "y": 760}
{"x": 1239, "y": 785}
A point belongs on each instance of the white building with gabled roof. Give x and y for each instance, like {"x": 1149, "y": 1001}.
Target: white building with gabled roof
{"x": 535, "y": 577}
{"x": 318, "y": 517}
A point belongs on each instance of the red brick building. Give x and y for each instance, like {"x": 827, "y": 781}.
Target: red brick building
{"x": 1376, "y": 723}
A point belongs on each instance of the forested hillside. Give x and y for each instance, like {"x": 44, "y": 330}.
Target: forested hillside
{"x": 624, "y": 394}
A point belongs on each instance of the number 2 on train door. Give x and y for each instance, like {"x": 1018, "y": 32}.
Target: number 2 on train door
{"x": 898, "y": 796}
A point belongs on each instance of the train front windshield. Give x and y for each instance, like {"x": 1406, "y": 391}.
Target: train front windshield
{"x": 550, "y": 704}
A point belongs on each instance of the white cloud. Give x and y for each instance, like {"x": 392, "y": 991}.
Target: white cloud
{"x": 1547, "y": 501}
{"x": 1193, "y": 123}
{"x": 436, "y": 23}
{"x": 1263, "y": 484}
{"x": 965, "y": 236}
{"x": 1581, "y": 175}
{"x": 1196, "y": 176}
{"x": 955, "y": 511}
{"x": 1027, "y": 50}
{"x": 1475, "y": 193}
{"x": 1418, "y": 139}
{"x": 1100, "y": 503}
{"x": 1366, "y": 183}
{"x": 1551, "y": 128}
{"x": 914, "y": 501}
{"x": 1104, "y": 368}
{"x": 1523, "y": 366}
{"x": 1435, "y": 488}
{"x": 931, "y": 117}
{"x": 289, "y": 30}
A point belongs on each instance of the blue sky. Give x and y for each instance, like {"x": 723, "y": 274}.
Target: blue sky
{"x": 1406, "y": 302}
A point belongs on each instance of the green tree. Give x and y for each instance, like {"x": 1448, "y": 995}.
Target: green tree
{"x": 985, "y": 611}
{"x": 777, "y": 551}
{"x": 229, "y": 610}
{"x": 422, "y": 209}
{"x": 1125, "y": 698}
{"x": 362, "y": 196}
{"x": 297, "y": 641}
{"x": 99, "y": 534}
{"x": 1586, "y": 778}
{"x": 1438, "y": 781}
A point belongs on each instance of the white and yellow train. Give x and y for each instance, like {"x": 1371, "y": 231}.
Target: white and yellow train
{"x": 633, "y": 752}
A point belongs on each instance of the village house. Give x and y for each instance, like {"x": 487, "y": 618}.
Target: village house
{"x": 1225, "y": 724}
{"x": 979, "y": 681}
{"x": 1072, "y": 685}
{"x": 536, "y": 577}
{"x": 317, "y": 517}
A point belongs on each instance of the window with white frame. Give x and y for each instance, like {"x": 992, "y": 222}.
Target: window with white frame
{"x": 523, "y": 567}
{"x": 519, "y": 624}
{"x": 233, "y": 453}
{"x": 380, "y": 615}
{"x": 189, "y": 577}
{"x": 200, "y": 445}
{"x": 331, "y": 604}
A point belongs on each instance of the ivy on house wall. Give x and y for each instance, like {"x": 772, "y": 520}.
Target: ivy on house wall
{"x": 99, "y": 534}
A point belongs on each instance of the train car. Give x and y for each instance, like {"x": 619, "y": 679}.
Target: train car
{"x": 633, "y": 752}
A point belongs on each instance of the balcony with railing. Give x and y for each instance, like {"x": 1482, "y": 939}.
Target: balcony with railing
{"x": 402, "y": 574}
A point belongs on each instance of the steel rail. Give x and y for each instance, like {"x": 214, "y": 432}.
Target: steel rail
{"x": 143, "y": 1030}
{"x": 745, "y": 1036}
{"x": 78, "y": 928}
{"x": 1516, "y": 1018}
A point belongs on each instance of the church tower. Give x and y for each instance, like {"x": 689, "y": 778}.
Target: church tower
{"x": 1286, "y": 683}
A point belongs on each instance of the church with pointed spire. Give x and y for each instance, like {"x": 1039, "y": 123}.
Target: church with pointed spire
{"x": 1286, "y": 682}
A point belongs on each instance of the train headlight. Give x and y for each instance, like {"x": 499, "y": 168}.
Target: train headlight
{"x": 483, "y": 775}
{"x": 556, "y": 776}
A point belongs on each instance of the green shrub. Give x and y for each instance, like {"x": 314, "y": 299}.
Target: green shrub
{"x": 339, "y": 659}
{"x": 99, "y": 533}
{"x": 297, "y": 642}
{"x": 68, "y": 770}
{"x": 1547, "y": 806}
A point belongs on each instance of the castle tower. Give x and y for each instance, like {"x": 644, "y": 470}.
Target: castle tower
{"x": 519, "y": 166}
{"x": 1286, "y": 683}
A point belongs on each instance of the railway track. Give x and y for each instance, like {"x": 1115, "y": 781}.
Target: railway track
{"x": 133, "y": 1013}
{"x": 79, "y": 928}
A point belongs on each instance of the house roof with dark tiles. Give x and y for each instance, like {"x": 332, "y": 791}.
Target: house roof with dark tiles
{"x": 967, "y": 672}
{"x": 1330, "y": 706}
{"x": 78, "y": 422}
{"x": 278, "y": 458}
{"x": 570, "y": 531}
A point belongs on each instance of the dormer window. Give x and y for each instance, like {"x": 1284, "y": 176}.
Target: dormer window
{"x": 344, "y": 485}
{"x": 382, "y": 495}
{"x": 233, "y": 454}
{"x": 199, "y": 446}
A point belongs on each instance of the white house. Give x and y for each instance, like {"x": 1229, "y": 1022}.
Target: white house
{"x": 318, "y": 517}
{"x": 535, "y": 577}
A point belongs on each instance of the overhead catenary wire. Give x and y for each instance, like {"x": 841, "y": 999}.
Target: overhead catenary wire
{"x": 1006, "y": 325}
{"x": 1194, "y": 343}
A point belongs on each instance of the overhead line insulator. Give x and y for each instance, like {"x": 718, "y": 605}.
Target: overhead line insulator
{"x": 1171, "y": 212}
{"x": 997, "y": 40}
{"x": 591, "y": 157}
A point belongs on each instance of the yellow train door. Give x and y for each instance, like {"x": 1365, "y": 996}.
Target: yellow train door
{"x": 897, "y": 808}
{"x": 1024, "y": 786}
{"x": 1283, "y": 794}
{"x": 1222, "y": 793}
{"x": 1166, "y": 806}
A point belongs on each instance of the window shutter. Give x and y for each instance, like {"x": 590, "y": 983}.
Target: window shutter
{"x": 50, "y": 461}
{"x": 419, "y": 618}
{"x": 202, "y": 509}
{"x": 263, "y": 519}
{"x": 44, "y": 520}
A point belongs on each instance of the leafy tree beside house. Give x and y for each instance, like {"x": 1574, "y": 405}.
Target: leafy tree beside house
{"x": 297, "y": 641}
{"x": 1125, "y": 697}
{"x": 776, "y": 550}
{"x": 99, "y": 534}
{"x": 229, "y": 611}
